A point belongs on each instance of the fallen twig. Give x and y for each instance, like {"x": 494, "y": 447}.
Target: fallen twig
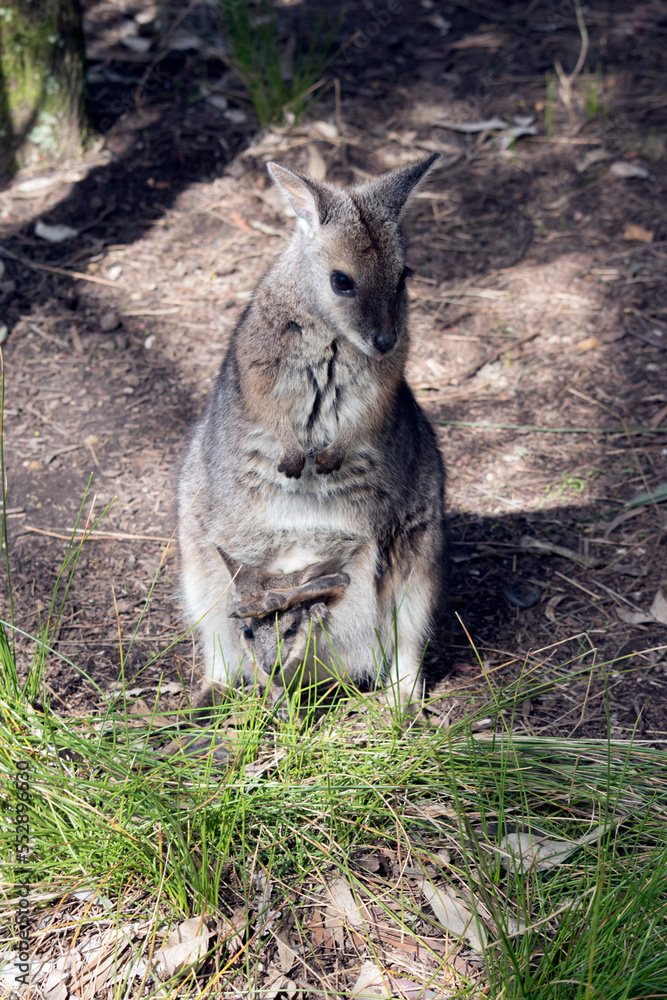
{"x": 536, "y": 544}
{"x": 119, "y": 536}
{"x": 533, "y": 428}
{"x": 56, "y": 270}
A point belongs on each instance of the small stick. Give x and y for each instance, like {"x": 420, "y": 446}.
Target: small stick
{"x": 596, "y": 597}
{"x": 56, "y": 270}
{"x": 100, "y": 535}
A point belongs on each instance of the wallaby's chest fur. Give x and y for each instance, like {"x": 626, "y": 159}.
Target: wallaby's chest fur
{"x": 320, "y": 378}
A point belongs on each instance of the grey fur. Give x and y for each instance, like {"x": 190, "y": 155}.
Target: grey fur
{"x": 311, "y": 447}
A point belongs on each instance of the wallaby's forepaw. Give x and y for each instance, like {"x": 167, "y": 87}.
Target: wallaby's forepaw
{"x": 330, "y": 459}
{"x": 292, "y": 464}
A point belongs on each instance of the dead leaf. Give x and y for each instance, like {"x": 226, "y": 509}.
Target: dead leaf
{"x": 317, "y": 168}
{"x": 371, "y": 983}
{"x": 621, "y": 168}
{"x": 232, "y": 929}
{"x": 528, "y": 542}
{"x": 552, "y": 603}
{"x": 327, "y": 129}
{"x": 659, "y": 606}
{"x": 54, "y": 234}
{"x": 122, "y": 606}
{"x": 444, "y": 856}
{"x": 136, "y": 43}
{"x": 590, "y": 158}
{"x": 403, "y": 940}
{"x": 321, "y": 934}
{"x": 144, "y": 710}
{"x": 588, "y": 344}
{"x": 344, "y": 906}
{"x": 633, "y": 617}
{"x": 658, "y": 418}
{"x": 453, "y": 915}
{"x": 657, "y": 613}
{"x": 480, "y": 40}
{"x": 184, "y": 945}
{"x": 486, "y": 125}
{"x": 286, "y": 954}
{"x": 334, "y": 926}
{"x": 638, "y": 234}
{"x": 262, "y": 227}
{"x": 374, "y": 982}
{"x": 370, "y": 862}
{"x": 522, "y": 851}
{"x": 273, "y": 985}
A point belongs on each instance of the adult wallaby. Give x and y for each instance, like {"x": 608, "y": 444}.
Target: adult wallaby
{"x": 313, "y": 446}
{"x": 279, "y": 619}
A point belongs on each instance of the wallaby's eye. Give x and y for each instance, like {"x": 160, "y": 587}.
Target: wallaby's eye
{"x": 407, "y": 273}
{"x": 342, "y": 284}
{"x": 248, "y": 633}
{"x": 291, "y": 631}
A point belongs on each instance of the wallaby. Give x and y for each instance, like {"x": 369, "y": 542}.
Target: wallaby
{"x": 313, "y": 445}
{"x": 280, "y": 618}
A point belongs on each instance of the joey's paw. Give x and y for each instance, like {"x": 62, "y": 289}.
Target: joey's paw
{"x": 329, "y": 459}
{"x": 292, "y": 464}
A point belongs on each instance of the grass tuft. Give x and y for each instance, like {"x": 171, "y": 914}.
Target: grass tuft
{"x": 283, "y": 75}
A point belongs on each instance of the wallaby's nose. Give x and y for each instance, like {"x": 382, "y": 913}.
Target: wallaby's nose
{"x": 384, "y": 341}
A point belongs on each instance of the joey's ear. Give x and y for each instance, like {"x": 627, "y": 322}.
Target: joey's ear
{"x": 302, "y": 193}
{"x": 246, "y": 578}
{"x": 394, "y": 189}
{"x": 232, "y": 565}
{"x": 326, "y": 568}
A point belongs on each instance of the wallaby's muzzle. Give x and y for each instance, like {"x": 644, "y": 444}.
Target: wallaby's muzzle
{"x": 383, "y": 341}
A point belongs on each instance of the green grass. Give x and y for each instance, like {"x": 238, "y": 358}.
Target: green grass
{"x": 162, "y": 838}
{"x": 283, "y": 75}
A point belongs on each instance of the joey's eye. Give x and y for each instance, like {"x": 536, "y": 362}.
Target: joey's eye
{"x": 291, "y": 631}
{"x": 248, "y": 633}
{"x": 342, "y": 284}
{"x": 407, "y": 273}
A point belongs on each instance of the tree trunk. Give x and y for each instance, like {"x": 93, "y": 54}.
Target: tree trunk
{"x": 42, "y": 106}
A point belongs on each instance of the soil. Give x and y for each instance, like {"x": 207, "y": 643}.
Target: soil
{"x": 538, "y": 324}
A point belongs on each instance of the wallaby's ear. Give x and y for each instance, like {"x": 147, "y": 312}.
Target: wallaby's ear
{"x": 394, "y": 188}
{"x": 303, "y": 195}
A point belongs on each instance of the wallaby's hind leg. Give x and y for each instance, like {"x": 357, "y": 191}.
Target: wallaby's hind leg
{"x": 361, "y": 631}
{"x": 413, "y": 617}
{"x": 349, "y": 644}
{"x": 206, "y": 591}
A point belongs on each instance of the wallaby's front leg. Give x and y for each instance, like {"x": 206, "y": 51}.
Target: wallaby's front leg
{"x": 293, "y": 458}
{"x": 332, "y": 457}
{"x": 292, "y": 462}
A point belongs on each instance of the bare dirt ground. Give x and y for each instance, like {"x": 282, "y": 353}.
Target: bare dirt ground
{"x": 538, "y": 322}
